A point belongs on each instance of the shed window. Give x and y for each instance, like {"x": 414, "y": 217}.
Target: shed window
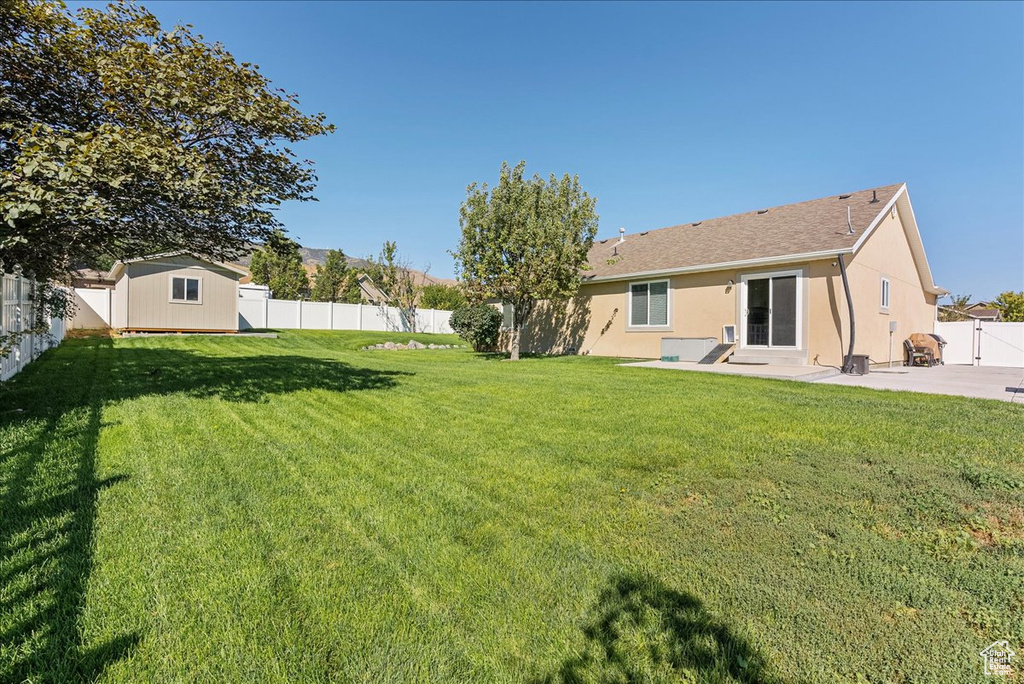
{"x": 648, "y": 304}
{"x": 507, "y": 317}
{"x": 885, "y": 293}
{"x": 184, "y": 289}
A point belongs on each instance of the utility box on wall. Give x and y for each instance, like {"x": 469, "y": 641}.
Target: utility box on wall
{"x": 686, "y": 348}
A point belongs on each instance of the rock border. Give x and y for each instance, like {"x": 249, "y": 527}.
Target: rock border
{"x": 410, "y": 345}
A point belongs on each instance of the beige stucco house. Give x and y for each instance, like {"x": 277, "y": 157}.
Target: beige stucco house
{"x": 174, "y": 292}
{"x": 770, "y": 280}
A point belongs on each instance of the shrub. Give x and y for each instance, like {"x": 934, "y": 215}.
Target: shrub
{"x": 441, "y": 296}
{"x": 478, "y": 325}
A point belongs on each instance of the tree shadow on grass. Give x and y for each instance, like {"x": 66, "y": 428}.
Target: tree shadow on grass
{"x": 48, "y": 501}
{"x": 50, "y": 421}
{"x": 642, "y": 631}
{"x": 142, "y": 371}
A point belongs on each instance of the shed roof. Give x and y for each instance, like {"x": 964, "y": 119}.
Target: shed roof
{"x": 115, "y": 271}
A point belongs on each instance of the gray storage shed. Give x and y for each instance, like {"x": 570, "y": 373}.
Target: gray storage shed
{"x": 175, "y": 292}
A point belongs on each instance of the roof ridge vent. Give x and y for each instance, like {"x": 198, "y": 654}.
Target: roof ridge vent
{"x": 698, "y": 223}
{"x": 762, "y": 211}
{"x": 846, "y": 196}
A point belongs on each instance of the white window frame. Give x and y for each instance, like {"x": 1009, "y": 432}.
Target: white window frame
{"x": 885, "y": 294}
{"x": 170, "y": 289}
{"x": 667, "y": 325}
{"x": 741, "y": 331}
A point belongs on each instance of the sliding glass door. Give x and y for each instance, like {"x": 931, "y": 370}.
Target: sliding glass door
{"x": 770, "y": 309}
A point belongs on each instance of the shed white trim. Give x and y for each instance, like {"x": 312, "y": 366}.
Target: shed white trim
{"x": 119, "y": 265}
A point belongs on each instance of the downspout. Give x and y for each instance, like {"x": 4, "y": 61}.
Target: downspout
{"x": 848, "y": 359}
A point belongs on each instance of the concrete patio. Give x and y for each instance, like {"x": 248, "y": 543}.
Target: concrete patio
{"x": 775, "y": 372}
{"x": 982, "y": 382}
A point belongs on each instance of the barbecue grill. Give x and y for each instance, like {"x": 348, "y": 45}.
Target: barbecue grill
{"x": 928, "y": 344}
{"x": 941, "y": 341}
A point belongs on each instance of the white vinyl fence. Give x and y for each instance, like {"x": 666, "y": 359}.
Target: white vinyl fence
{"x": 301, "y": 315}
{"x": 982, "y": 343}
{"x": 16, "y": 315}
{"x": 255, "y": 310}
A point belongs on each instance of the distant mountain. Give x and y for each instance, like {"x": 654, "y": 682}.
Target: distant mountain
{"x": 312, "y": 256}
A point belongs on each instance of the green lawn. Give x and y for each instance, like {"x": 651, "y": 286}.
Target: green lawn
{"x": 245, "y": 510}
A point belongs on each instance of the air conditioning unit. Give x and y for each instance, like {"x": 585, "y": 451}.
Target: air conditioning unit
{"x": 729, "y": 334}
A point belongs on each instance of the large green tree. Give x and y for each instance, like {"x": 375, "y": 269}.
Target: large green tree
{"x": 334, "y": 281}
{"x": 525, "y": 240}
{"x": 1011, "y": 304}
{"x": 120, "y": 138}
{"x": 278, "y": 264}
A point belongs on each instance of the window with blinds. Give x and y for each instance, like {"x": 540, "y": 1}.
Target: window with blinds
{"x": 648, "y": 304}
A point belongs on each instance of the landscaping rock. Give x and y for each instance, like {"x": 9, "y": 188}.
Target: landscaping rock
{"x": 413, "y": 344}
{"x": 380, "y": 345}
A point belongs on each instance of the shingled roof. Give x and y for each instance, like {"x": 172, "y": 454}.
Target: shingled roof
{"x": 817, "y": 227}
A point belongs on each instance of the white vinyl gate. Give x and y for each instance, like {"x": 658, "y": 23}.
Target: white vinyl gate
{"x": 16, "y": 316}
{"x": 982, "y": 343}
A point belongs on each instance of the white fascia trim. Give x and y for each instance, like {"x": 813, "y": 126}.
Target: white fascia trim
{"x": 878, "y": 219}
{"x": 917, "y": 244}
{"x": 155, "y": 258}
{"x": 726, "y": 265}
{"x": 932, "y": 288}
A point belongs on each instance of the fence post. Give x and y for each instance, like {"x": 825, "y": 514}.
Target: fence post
{"x": 21, "y": 321}
{"x": 330, "y": 316}
{"x": 359, "y": 311}
{"x": 977, "y": 336}
{"x": 266, "y": 312}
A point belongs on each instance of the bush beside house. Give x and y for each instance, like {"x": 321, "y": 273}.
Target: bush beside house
{"x": 478, "y": 325}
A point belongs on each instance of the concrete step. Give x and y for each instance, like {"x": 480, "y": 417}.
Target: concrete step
{"x": 775, "y": 357}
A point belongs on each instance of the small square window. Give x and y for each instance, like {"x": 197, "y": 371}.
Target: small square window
{"x": 184, "y": 289}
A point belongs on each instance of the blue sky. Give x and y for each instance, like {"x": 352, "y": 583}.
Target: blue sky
{"x": 667, "y": 112}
